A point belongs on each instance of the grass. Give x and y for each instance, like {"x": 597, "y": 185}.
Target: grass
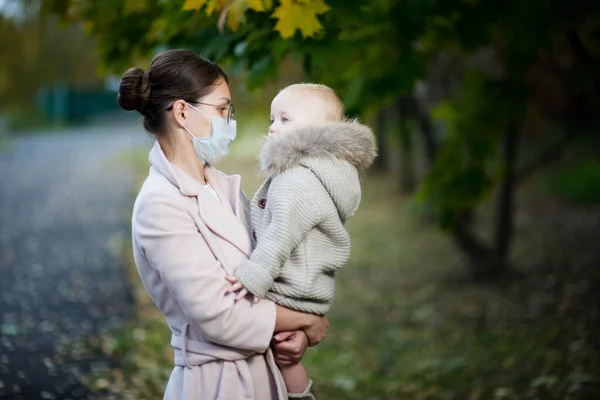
{"x": 579, "y": 182}
{"x": 30, "y": 119}
{"x": 404, "y": 327}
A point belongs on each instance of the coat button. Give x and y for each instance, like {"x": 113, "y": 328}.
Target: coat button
{"x": 262, "y": 203}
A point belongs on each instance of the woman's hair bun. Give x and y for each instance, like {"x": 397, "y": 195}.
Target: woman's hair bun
{"x": 134, "y": 90}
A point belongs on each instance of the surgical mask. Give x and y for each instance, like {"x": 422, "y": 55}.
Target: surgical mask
{"x": 214, "y": 148}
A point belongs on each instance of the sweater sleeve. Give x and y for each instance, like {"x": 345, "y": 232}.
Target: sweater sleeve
{"x": 294, "y": 212}
{"x": 172, "y": 245}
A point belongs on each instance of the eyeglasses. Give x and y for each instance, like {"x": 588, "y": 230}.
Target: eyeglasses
{"x": 229, "y": 107}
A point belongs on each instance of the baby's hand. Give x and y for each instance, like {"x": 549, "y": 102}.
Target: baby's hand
{"x": 235, "y": 286}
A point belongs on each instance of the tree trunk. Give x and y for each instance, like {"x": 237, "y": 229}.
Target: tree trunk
{"x": 485, "y": 262}
{"x": 382, "y": 160}
{"x": 407, "y": 172}
{"x": 506, "y": 204}
{"x": 482, "y": 260}
{"x": 427, "y": 131}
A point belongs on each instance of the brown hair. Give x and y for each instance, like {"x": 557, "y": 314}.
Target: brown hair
{"x": 173, "y": 75}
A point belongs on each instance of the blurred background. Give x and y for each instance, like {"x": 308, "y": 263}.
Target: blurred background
{"x": 475, "y": 264}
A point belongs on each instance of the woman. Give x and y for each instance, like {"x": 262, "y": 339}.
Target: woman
{"x": 190, "y": 230}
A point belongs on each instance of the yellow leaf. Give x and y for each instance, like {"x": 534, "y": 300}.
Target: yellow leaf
{"x": 293, "y": 15}
{"x": 257, "y": 5}
{"x": 194, "y": 4}
{"x": 236, "y": 14}
{"x": 215, "y": 5}
{"x": 210, "y": 5}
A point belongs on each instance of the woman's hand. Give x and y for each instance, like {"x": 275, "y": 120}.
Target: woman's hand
{"x": 235, "y": 286}
{"x": 289, "y": 347}
{"x": 317, "y": 329}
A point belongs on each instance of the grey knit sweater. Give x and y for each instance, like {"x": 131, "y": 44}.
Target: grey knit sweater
{"x": 298, "y": 213}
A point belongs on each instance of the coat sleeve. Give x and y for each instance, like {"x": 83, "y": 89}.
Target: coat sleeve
{"x": 294, "y": 212}
{"x": 173, "y": 246}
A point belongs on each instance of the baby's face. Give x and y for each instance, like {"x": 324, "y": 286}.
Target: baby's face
{"x": 293, "y": 108}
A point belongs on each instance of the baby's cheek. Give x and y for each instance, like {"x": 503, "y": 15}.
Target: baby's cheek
{"x": 289, "y": 126}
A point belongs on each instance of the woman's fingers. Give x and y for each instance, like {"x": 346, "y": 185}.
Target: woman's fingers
{"x": 317, "y": 331}
{"x": 231, "y": 279}
{"x": 281, "y": 336}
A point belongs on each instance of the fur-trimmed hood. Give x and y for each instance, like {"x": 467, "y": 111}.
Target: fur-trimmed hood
{"x": 347, "y": 140}
{"x": 335, "y": 152}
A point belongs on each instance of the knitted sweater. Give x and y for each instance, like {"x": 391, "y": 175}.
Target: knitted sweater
{"x": 298, "y": 213}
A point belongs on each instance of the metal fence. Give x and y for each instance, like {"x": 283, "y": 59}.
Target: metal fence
{"x": 62, "y": 103}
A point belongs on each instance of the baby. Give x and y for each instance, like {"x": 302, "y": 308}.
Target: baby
{"x": 312, "y": 158}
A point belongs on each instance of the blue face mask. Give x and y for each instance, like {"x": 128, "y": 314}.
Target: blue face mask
{"x": 214, "y": 148}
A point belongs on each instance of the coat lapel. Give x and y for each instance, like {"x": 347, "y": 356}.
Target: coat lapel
{"x": 221, "y": 217}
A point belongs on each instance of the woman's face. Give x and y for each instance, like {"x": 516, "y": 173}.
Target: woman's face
{"x": 215, "y": 104}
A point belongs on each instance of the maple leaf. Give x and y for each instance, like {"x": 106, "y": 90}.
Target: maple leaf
{"x": 236, "y": 15}
{"x": 295, "y": 15}
{"x": 193, "y": 4}
{"x": 257, "y": 5}
{"x": 233, "y": 14}
{"x": 210, "y": 5}
{"x": 215, "y": 5}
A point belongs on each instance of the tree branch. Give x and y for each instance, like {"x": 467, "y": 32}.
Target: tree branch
{"x": 584, "y": 58}
{"x": 506, "y": 203}
{"x": 427, "y": 131}
{"x": 544, "y": 159}
{"x": 587, "y": 62}
{"x": 381, "y": 161}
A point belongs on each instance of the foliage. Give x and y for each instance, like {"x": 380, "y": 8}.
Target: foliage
{"x": 374, "y": 52}
{"x": 474, "y": 131}
{"x": 370, "y": 51}
{"x": 578, "y": 182}
{"x": 291, "y": 15}
{"x": 368, "y": 44}
{"x": 25, "y": 46}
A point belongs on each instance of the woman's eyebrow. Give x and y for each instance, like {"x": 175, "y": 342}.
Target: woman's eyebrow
{"x": 227, "y": 100}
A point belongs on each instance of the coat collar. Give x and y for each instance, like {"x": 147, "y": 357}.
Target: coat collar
{"x": 221, "y": 217}
{"x": 187, "y": 185}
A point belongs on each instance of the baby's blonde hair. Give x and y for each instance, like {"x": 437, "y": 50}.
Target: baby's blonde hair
{"x": 335, "y": 107}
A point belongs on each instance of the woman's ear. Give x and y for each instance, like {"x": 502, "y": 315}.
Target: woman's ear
{"x": 179, "y": 112}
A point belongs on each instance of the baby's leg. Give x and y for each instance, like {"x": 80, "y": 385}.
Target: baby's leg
{"x": 297, "y": 383}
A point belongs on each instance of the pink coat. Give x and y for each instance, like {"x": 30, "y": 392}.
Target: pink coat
{"x": 185, "y": 241}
